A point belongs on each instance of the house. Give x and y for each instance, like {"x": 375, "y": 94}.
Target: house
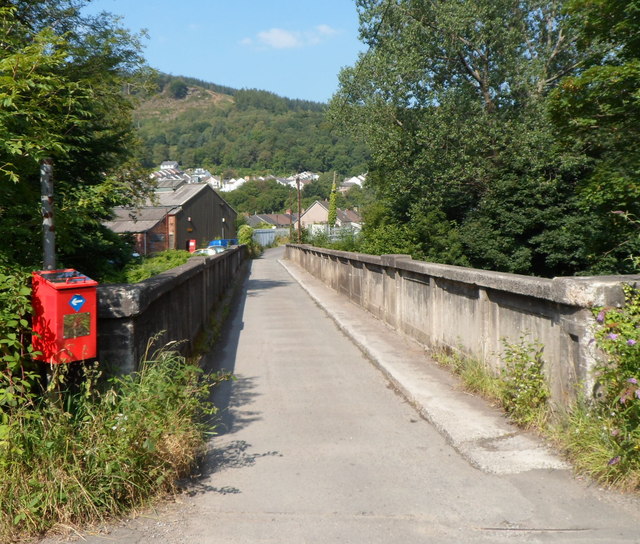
{"x": 317, "y": 217}
{"x": 276, "y": 220}
{"x": 352, "y": 182}
{"x": 169, "y": 165}
{"x": 177, "y": 213}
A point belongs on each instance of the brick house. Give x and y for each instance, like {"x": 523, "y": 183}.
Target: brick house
{"x": 176, "y": 215}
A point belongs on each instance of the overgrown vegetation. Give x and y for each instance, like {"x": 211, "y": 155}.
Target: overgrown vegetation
{"x": 499, "y": 146}
{"x": 75, "y": 458}
{"x": 146, "y": 267}
{"x": 245, "y": 237}
{"x": 85, "y": 449}
{"x": 520, "y": 387}
{"x": 599, "y": 435}
{"x": 602, "y": 437}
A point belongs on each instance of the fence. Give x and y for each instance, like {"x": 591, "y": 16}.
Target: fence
{"x": 267, "y": 237}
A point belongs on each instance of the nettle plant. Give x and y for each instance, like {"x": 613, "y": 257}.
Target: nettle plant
{"x": 618, "y": 336}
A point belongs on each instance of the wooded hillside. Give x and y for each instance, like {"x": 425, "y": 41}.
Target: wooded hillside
{"x": 201, "y": 124}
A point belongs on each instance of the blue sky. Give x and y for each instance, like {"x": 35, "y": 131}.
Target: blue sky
{"x": 294, "y": 48}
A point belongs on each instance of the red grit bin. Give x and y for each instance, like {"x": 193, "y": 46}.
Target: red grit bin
{"x": 64, "y": 316}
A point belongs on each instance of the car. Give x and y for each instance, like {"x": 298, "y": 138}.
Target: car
{"x": 208, "y": 251}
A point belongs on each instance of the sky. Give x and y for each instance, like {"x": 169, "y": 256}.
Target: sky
{"x": 294, "y": 48}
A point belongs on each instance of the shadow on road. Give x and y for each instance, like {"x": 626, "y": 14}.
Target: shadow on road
{"x": 232, "y": 398}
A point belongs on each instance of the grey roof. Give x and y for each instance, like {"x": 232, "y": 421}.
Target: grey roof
{"x": 147, "y": 217}
{"x": 139, "y": 220}
{"x": 180, "y": 196}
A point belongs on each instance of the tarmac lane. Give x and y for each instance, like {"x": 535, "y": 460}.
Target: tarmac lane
{"x": 316, "y": 444}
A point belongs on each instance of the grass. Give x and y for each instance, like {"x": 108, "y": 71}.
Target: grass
{"x": 148, "y": 267}
{"x": 588, "y": 434}
{"x": 86, "y": 454}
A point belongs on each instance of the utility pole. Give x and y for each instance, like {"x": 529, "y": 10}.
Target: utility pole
{"x": 48, "y": 227}
{"x": 299, "y": 211}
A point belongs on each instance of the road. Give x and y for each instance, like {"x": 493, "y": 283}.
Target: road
{"x": 315, "y": 445}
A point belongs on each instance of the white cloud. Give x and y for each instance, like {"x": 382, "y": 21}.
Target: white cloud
{"x": 278, "y": 38}
{"x": 326, "y": 30}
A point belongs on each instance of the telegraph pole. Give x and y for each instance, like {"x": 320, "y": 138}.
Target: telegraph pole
{"x": 299, "y": 211}
{"x": 48, "y": 227}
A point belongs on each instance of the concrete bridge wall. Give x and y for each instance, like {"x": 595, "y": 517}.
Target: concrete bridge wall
{"x": 176, "y": 305}
{"x": 474, "y": 310}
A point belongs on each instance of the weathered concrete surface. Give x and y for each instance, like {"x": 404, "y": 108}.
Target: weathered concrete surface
{"x": 316, "y": 446}
{"x": 474, "y": 311}
{"x": 173, "y": 306}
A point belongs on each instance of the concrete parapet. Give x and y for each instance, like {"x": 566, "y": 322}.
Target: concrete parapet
{"x": 172, "y": 306}
{"x": 475, "y": 311}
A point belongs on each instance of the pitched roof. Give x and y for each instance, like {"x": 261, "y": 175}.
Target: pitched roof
{"x": 145, "y": 218}
{"x": 135, "y": 220}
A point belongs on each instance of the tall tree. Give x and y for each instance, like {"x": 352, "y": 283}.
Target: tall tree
{"x": 62, "y": 82}
{"x": 597, "y": 110}
{"x": 333, "y": 204}
{"x": 451, "y": 99}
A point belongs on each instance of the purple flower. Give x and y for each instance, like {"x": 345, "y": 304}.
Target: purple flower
{"x": 612, "y": 336}
{"x": 600, "y": 316}
{"x": 631, "y": 342}
{"x": 614, "y": 461}
{"x": 638, "y": 393}
{"x": 633, "y": 381}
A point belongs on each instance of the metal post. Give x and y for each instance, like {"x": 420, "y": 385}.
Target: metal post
{"x": 299, "y": 211}
{"x": 48, "y": 227}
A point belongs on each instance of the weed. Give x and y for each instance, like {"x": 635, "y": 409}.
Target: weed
{"x": 151, "y": 266}
{"x": 525, "y": 393}
{"x": 102, "y": 452}
{"x": 475, "y": 374}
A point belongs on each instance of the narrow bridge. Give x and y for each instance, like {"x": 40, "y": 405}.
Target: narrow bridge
{"x": 337, "y": 429}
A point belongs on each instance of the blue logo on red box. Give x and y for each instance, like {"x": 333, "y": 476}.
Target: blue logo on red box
{"x": 77, "y": 302}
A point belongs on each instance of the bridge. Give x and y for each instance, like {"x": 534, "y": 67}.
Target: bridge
{"x": 339, "y": 429}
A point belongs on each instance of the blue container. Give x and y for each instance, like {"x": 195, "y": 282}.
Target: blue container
{"x": 224, "y": 242}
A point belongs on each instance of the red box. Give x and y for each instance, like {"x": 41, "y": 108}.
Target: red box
{"x": 65, "y": 316}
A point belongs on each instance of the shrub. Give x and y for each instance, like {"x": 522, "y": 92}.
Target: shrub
{"x": 609, "y": 425}
{"x": 100, "y": 453}
{"x": 245, "y": 237}
{"x": 525, "y": 393}
{"x": 151, "y": 266}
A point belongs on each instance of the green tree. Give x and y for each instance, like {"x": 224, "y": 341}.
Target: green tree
{"x": 597, "y": 110}
{"x": 451, "y": 100}
{"x": 178, "y": 89}
{"x": 62, "y": 79}
{"x": 333, "y": 204}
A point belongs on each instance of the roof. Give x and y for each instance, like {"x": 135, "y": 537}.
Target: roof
{"x": 145, "y": 218}
{"x": 135, "y": 220}
{"x": 180, "y": 196}
{"x": 276, "y": 219}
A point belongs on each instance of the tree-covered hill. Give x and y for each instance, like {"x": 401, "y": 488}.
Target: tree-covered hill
{"x": 201, "y": 124}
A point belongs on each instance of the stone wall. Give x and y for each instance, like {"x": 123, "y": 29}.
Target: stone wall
{"x": 174, "y": 306}
{"x": 474, "y": 311}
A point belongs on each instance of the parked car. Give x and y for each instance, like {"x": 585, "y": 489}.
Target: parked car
{"x": 209, "y": 251}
